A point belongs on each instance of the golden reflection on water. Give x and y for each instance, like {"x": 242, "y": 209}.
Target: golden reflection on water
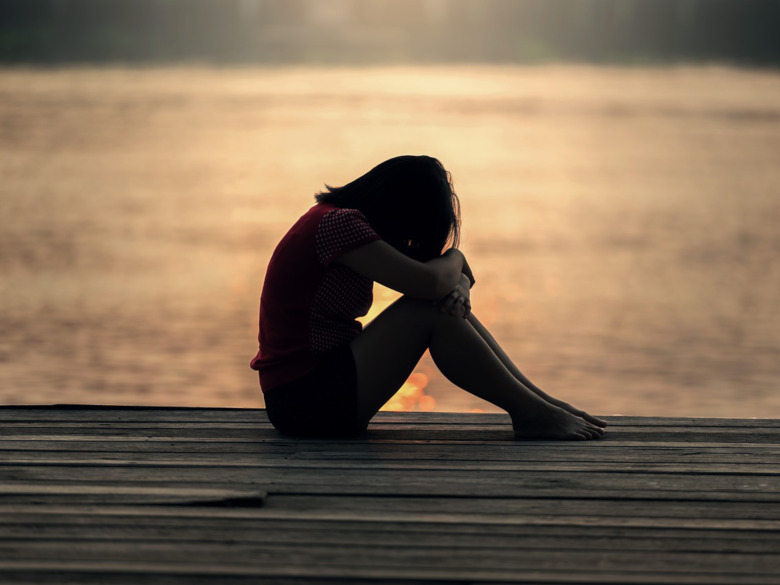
{"x": 622, "y": 224}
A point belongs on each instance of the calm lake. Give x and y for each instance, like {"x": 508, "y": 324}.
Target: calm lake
{"x": 623, "y": 224}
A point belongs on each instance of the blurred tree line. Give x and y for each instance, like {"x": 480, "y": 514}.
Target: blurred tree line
{"x": 380, "y": 31}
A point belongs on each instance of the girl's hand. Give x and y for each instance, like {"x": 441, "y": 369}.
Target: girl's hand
{"x": 458, "y": 302}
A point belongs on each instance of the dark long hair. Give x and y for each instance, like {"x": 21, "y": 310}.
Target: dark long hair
{"x": 408, "y": 200}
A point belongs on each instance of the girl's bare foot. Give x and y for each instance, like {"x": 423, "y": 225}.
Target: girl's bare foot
{"x": 555, "y": 424}
{"x": 583, "y": 415}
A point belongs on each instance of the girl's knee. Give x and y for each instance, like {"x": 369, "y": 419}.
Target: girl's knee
{"x": 422, "y": 307}
{"x": 427, "y": 309}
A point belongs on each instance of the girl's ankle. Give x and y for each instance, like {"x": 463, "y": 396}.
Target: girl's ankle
{"x": 534, "y": 411}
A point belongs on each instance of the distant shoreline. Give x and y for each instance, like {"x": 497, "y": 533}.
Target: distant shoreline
{"x": 289, "y": 32}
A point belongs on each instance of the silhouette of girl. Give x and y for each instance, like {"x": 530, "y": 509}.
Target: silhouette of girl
{"x": 322, "y": 374}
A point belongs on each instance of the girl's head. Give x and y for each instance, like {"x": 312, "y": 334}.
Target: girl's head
{"x": 408, "y": 200}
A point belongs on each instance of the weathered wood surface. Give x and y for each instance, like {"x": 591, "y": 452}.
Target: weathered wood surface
{"x": 130, "y": 495}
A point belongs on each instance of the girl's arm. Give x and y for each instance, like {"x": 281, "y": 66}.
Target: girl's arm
{"x": 382, "y": 263}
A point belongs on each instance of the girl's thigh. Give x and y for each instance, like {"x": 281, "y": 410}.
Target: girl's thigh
{"x": 388, "y": 349}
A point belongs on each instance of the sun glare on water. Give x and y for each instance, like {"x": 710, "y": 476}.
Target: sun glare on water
{"x": 411, "y": 396}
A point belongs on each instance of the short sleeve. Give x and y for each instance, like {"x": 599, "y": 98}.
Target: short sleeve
{"x": 340, "y": 231}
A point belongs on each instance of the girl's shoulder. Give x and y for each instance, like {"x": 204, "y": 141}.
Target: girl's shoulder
{"x": 325, "y": 218}
{"x": 339, "y": 230}
{"x": 328, "y": 231}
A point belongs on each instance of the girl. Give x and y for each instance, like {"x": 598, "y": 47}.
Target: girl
{"x": 322, "y": 374}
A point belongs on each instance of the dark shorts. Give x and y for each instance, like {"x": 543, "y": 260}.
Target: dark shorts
{"x": 322, "y": 403}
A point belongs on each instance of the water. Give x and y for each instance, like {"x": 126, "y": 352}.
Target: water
{"x": 622, "y": 224}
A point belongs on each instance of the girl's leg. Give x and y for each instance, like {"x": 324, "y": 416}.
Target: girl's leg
{"x": 387, "y": 351}
{"x": 515, "y": 371}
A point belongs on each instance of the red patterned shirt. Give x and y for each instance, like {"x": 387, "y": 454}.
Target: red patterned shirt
{"x": 310, "y": 303}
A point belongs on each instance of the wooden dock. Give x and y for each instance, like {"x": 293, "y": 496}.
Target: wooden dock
{"x": 155, "y": 495}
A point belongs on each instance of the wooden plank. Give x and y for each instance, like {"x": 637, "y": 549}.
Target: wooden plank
{"x": 380, "y": 487}
{"x": 397, "y": 447}
{"x": 203, "y": 430}
{"x": 667, "y": 510}
{"x": 736, "y": 515}
{"x": 476, "y": 562}
{"x": 381, "y": 422}
{"x": 397, "y": 561}
{"x": 311, "y": 536}
{"x": 402, "y": 440}
{"x": 658, "y": 461}
{"x": 461, "y": 482}
{"x": 359, "y": 451}
{"x": 574, "y": 527}
{"x": 367, "y": 463}
{"x": 119, "y": 574}
{"x": 122, "y": 576}
{"x": 141, "y": 572}
{"x": 33, "y": 427}
{"x": 427, "y": 419}
{"x": 485, "y": 511}
{"x": 143, "y": 494}
{"x": 384, "y": 532}
{"x": 261, "y": 523}
{"x": 163, "y": 460}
